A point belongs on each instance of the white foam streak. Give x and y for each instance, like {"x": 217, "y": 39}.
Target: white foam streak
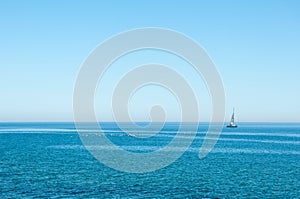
{"x": 135, "y": 132}
{"x": 191, "y": 149}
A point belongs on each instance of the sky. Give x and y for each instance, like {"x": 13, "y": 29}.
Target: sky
{"x": 255, "y": 46}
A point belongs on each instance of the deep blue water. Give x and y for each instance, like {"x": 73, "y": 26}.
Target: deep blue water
{"x": 48, "y": 160}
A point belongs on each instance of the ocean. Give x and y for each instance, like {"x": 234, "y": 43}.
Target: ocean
{"x": 48, "y": 160}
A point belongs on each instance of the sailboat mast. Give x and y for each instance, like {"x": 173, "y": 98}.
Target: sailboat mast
{"x": 232, "y": 117}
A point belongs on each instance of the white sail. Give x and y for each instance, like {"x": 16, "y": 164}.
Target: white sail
{"x": 232, "y": 124}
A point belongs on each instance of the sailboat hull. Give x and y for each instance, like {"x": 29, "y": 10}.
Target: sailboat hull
{"x": 232, "y": 126}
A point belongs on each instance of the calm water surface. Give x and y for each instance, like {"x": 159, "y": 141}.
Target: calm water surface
{"x": 48, "y": 160}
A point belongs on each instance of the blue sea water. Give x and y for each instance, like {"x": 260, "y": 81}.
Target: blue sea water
{"x": 49, "y": 160}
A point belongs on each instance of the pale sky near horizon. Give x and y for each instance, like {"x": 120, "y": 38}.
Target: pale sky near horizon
{"x": 255, "y": 46}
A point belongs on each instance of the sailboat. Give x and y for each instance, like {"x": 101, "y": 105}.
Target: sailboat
{"x": 232, "y": 124}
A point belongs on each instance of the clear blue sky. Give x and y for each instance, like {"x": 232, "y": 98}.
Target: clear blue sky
{"x": 254, "y": 44}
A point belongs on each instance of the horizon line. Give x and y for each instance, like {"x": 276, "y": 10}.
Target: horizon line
{"x": 147, "y": 122}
